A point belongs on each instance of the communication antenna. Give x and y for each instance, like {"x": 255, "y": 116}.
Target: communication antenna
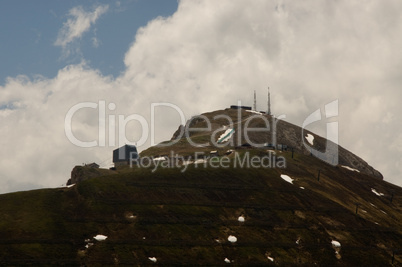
{"x": 255, "y": 102}
{"x": 269, "y": 103}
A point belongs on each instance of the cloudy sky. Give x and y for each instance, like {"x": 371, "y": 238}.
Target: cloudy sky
{"x": 199, "y": 56}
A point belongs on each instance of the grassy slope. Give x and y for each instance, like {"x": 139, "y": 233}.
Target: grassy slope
{"x": 182, "y": 214}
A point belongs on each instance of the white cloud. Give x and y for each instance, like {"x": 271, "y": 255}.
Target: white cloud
{"x": 79, "y": 22}
{"x": 208, "y": 55}
{"x": 95, "y": 42}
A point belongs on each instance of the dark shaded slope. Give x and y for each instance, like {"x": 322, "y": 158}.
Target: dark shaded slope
{"x": 185, "y": 218}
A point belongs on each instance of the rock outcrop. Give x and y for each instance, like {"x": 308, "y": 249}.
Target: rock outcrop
{"x": 81, "y": 173}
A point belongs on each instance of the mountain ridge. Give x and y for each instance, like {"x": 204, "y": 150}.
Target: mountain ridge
{"x": 307, "y": 212}
{"x": 286, "y": 133}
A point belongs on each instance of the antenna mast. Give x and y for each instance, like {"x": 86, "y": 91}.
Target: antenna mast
{"x": 269, "y": 102}
{"x": 255, "y": 102}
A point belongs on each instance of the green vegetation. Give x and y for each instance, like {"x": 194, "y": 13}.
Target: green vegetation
{"x": 186, "y": 218}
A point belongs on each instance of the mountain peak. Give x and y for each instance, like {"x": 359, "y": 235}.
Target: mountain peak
{"x": 259, "y": 130}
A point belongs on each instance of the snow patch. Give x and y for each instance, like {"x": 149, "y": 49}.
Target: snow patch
{"x": 227, "y": 260}
{"x": 159, "y": 158}
{"x": 100, "y": 237}
{"x": 226, "y": 135}
{"x": 253, "y": 111}
{"x": 383, "y": 212}
{"x": 270, "y": 258}
{"x": 200, "y": 161}
{"x": 375, "y": 192}
{"x": 241, "y": 219}
{"x": 337, "y": 247}
{"x": 153, "y": 259}
{"x": 287, "y": 178}
{"x": 301, "y": 187}
{"x": 310, "y": 139}
{"x": 349, "y": 168}
{"x": 230, "y": 151}
{"x": 200, "y": 145}
{"x": 336, "y": 243}
{"x": 232, "y": 239}
{"x": 71, "y": 185}
{"x": 89, "y": 243}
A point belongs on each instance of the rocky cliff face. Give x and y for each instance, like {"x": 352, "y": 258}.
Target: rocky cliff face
{"x": 81, "y": 173}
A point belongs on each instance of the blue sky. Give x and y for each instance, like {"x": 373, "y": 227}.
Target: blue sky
{"x": 199, "y": 56}
{"x": 30, "y": 29}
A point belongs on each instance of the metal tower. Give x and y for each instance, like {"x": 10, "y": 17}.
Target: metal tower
{"x": 269, "y": 102}
{"x": 255, "y": 102}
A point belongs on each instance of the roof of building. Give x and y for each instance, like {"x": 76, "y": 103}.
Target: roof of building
{"x": 92, "y": 165}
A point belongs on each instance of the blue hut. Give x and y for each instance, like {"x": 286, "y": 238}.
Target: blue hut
{"x": 124, "y": 155}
